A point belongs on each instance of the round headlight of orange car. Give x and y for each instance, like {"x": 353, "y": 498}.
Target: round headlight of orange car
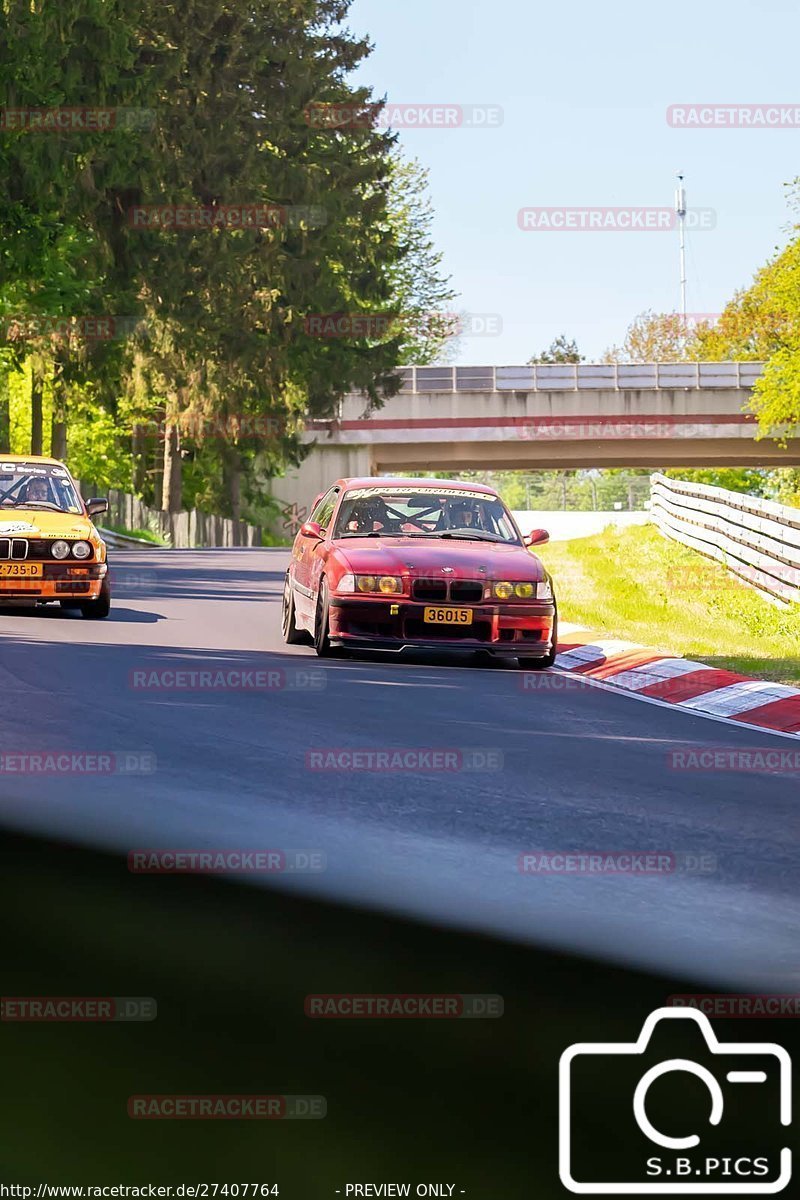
{"x": 81, "y": 550}
{"x": 60, "y": 550}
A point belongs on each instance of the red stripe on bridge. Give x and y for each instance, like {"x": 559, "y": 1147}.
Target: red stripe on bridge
{"x": 531, "y": 422}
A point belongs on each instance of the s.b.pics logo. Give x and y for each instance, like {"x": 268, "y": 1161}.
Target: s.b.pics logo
{"x": 676, "y": 1111}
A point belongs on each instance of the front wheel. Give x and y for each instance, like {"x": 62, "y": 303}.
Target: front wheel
{"x": 97, "y": 610}
{"x": 542, "y": 664}
{"x": 291, "y": 634}
{"x": 322, "y": 641}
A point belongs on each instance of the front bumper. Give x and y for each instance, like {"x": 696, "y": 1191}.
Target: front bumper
{"x": 59, "y": 581}
{"x": 380, "y": 623}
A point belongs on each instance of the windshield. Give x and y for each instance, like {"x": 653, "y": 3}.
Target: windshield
{"x": 426, "y": 512}
{"x": 35, "y": 485}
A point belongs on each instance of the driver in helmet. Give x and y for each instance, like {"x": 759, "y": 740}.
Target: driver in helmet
{"x": 368, "y": 516}
{"x": 35, "y": 490}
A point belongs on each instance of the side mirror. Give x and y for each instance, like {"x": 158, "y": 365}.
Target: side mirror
{"x": 537, "y": 537}
{"x": 312, "y": 529}
{"x": 97, "y": 506}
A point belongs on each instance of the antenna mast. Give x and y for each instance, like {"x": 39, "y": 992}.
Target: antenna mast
{"x": 680, "y": 209}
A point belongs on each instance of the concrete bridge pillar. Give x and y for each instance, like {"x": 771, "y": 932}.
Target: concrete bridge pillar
{"x": 296, "y": 491}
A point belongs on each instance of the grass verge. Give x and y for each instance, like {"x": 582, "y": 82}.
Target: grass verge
{"x": 635, "y": 585}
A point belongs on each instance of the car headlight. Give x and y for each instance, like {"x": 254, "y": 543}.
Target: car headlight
{"x": 81, "y": 550}
{"x": 388, "y": 585}
{"x": 60, "y": 550}
{"x": 523, "y": 590}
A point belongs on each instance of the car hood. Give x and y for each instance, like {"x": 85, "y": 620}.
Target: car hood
{"x": 44, "y": 523}
{"x": 417, "y": 556}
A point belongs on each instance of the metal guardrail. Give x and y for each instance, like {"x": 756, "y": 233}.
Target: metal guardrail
{"x": 581, "y": 376}
{"x": 124, "y": 539}
{"x": 756, "y": 540}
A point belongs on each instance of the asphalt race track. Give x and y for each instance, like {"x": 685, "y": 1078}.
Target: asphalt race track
{"x": 570, "y": 768}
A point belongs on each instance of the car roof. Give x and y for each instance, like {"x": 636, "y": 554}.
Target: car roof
{"x": 394, "y": 481}
{"x": 31, "y": 458}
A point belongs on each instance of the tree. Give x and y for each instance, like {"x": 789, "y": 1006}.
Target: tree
{"x": 420, "y": 292}
{"x": 560, "y": 350}
{"x": 656, "y": 337}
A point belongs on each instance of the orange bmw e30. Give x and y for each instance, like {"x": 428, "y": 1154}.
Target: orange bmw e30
{"x": 49, "y": 548}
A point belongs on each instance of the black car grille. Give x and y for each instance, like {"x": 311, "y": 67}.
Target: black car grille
{"x": 458, "y": 591}
{"x": 13, "y": 548}
{"x": 429, "y": 589}
{"x": 466, "y": 591}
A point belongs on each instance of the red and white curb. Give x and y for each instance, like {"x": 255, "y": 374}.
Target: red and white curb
{"x": 691, "y": 685}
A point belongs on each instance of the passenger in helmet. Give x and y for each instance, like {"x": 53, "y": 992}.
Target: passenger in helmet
{"x": 464, "y": 514}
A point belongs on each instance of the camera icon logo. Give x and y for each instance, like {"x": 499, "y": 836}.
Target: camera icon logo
{"x": 710, "y": 1127}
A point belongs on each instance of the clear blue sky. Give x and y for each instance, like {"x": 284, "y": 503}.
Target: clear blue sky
{"x": 584, "y": 88}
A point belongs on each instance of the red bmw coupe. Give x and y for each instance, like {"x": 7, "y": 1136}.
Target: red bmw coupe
{"x": 389, "y": 564}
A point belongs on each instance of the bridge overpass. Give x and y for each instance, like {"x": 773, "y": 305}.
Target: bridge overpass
{"x": 538, "y": 417}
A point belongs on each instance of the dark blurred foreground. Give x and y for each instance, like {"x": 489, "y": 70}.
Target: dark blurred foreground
{"x": 473, "y": 1102}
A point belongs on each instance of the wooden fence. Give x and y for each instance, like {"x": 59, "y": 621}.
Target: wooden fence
{"x": 756, "y": 540}
{"x": 181, "y": 530}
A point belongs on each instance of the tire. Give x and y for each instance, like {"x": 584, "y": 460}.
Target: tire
{"x": 322, "y": 641}
{"x": 98, "y": 610}
{"x": 291, "y": 634}
{"x": 542, "y": 664}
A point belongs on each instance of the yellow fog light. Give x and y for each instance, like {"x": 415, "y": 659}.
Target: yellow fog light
{"x": 504, "y": 591}
{"x": 524, "y": 590}
{"x": 389, "y": 584}
{"x": 367, "y": 583}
